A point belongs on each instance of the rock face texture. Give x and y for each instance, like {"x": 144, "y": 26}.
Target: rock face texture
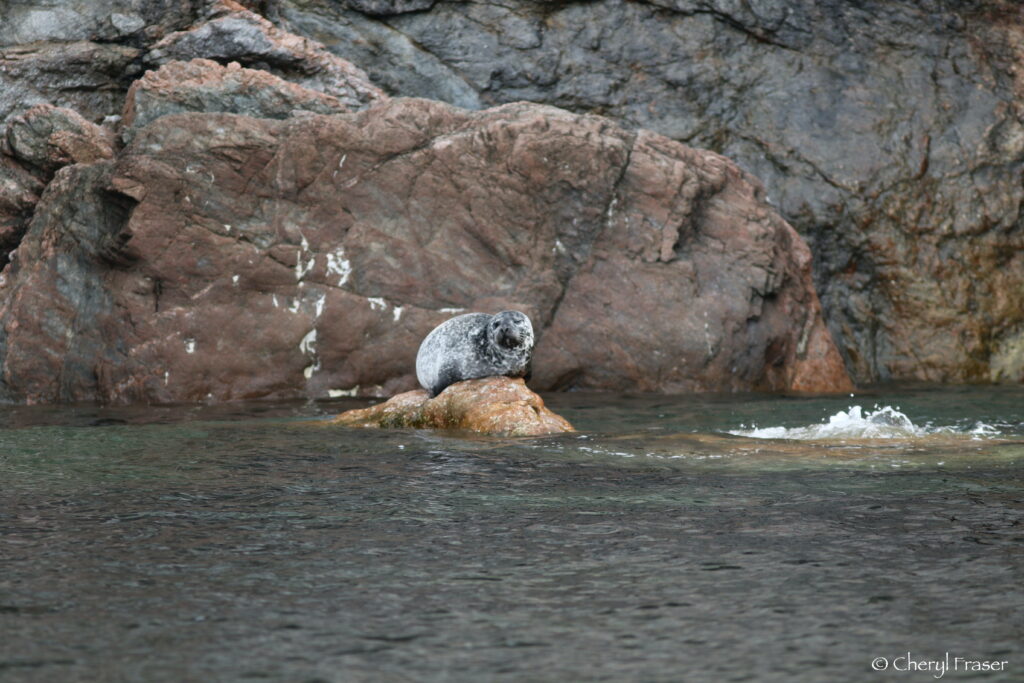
{"x": 84, "y": 55}
{"x": 890, "y": 134}
{"x": 222, "y": 256}
{"x": 495, "y": 406}
{"x": 197, "y": 201}
{"x": 80, "y": 54}
{"x": 46, "y": 138}
{"x": 235, "y": 34}
{"x": 202, "y": 85}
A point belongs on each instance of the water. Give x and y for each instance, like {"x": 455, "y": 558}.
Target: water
{"x": 710, "y": 538}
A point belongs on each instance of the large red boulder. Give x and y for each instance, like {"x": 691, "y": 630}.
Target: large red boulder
{"x": 225, "y": 257}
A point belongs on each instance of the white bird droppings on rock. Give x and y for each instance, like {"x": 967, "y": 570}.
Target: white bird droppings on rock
{"x": 308, "y": 343}
{"x": 338, "y": 265}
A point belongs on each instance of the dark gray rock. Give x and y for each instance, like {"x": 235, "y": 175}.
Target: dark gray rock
{"x": 31, "y": 21}
{"x": 19, "y": 192}
{"x": 90, "y": 78}
{"x": 387, "y": 7}
{"x": 891, "y": 134}
{"x": 80, "y": 54}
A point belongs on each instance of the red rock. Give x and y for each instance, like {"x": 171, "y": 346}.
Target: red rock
{"x": 227, "y": 257}
{"x": 493, "y": 405}
{"x": 48, "y": 137}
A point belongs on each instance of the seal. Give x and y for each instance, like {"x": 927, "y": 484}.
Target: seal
{"x": 475, "y": 345}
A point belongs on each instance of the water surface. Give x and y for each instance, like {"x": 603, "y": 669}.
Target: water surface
{"x": 718, "y": 538}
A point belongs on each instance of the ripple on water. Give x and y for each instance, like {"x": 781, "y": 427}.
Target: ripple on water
{"x": 663, "y": 542}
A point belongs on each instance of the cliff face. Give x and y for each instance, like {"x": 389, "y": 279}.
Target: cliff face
{"x": 888, "y": 133}
{"x": 222, "y": 256}
{"x": 256, "y": 216}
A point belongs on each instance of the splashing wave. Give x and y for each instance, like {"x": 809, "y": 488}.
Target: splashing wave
{"x": 881, "y": 423}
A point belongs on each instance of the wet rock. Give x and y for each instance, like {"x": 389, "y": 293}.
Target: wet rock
{"x": 202, "y": 85}
{"x": 890, "y": 134}
{"x": 235, "y": 34}
{"x": 493, "y": 405}
{"x": 228, "y": 257}
{"x": 47, "y": 137}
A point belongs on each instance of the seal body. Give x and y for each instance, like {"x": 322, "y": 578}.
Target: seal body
{"x": 475, "y": 345}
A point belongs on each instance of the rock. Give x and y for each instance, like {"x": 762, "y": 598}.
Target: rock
{"x": 239, "y": 35}
{"x": 55, "y": 297}
{"x": 493, "y": 405}
{"x": 891, "y": 135}
{"x": 202, "y": 85}
{"x": 90, "y": 78}
{"x": 85, "y": 55}
{"x": 388, "y": 7}
{"x": 105, "y": 21}
{"x": 226, "y": 257}
{"x": 47, "y": 137}
{"x": 19, "y": 192}
{"x": 79, "y": 54}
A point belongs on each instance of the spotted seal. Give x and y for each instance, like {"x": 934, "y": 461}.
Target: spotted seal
{"x": 475, "y": 345}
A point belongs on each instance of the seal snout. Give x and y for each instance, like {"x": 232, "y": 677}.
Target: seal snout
{"x": 509, "y": 336}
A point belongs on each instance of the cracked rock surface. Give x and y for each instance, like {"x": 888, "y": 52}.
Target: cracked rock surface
{"x": 222, "y": 256}
{"x": 889, "y": 133}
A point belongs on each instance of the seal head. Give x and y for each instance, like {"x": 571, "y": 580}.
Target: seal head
{"x": 475, "y": 345}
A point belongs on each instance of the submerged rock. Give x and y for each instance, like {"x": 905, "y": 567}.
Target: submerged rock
{"x": 493, "y": 405}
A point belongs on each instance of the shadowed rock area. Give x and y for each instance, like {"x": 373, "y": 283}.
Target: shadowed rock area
{"x": 495, "y": 405}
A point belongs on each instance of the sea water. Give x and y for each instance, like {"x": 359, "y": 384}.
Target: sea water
{"x": 693, "y": 538}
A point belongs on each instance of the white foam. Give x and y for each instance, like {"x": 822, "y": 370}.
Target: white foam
{"x": 881, "y": 423}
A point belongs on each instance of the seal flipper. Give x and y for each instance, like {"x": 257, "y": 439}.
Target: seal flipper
{"x": 445, "y": 378}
